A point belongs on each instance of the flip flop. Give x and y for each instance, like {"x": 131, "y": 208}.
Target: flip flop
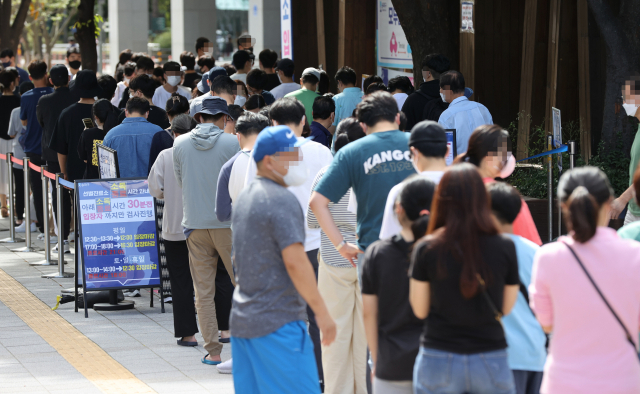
{"x": 224, "y": 340}
{"x": 186, "y": 343}
{"x": 209, "y": 362}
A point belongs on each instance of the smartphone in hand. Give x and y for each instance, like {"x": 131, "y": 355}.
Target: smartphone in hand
{"x": 88, "y": 123}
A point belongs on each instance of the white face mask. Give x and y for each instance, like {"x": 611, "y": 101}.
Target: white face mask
{"x": 174, "y": 80}
{"x": 150, "y": 75}
{"x": 442, "y": 96}
{"x": 296, "y": 175}
{"x": 240, "y": 100}
{"x": 279, "y": 79}
{"x": 508, "y": 167}
{"x": 126, "y": 80}
{"x": 631, "y": 109}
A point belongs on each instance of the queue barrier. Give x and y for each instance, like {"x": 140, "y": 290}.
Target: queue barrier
{"x": 60, "y": 183}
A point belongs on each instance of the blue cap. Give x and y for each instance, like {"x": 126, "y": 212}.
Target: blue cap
{"x": 203, "y": 85}
{"x": 276, "y": 139}
{"x": 214, "y": 105}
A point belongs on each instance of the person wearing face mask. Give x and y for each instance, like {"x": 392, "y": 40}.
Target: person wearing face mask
{"x": 268, "y": 316}
{"x": 129, "y": 71}
{"x": 8, "y": 59}
{"x": 144, "y": 87}
{"x": 432, "y": 66}
{"x": 198, "y": 158}
{"x": 348, "y": 98}
{"x": 74, "y": 60}
{"x": 241, "y": 93}
{"x": 102, "y": 111}
{"x": 144, "y": 65}
{"x": 462, "y": 115}
{"x": 284, "y": 70}
{"x": 172, "y": 78}
{"x": 214, "y": 83}
{"x": 243, "y": 62}
{"x": 428, "y": 145}
{"x": 490, "y": 151}
{"x": 631, "y": 103}
{"x": 291, "y": 113}
{"x": 307, "y": 93}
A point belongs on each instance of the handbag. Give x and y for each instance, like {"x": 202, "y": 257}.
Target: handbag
{"x": 626, "y": 331}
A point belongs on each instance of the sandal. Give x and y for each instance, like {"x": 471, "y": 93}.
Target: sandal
{"x": 186, "y": 343}
{"x": 210, "y": 362}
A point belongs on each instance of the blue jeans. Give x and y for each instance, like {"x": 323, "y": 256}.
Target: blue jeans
{"x": 439, "y": 372}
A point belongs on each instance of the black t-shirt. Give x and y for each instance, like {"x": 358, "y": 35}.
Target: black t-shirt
{"x": 272, "y": 82}
{"x": 7, "y": 104}
{"x": 87, "y": 151}
{"x": 66, "y": 136}
{"x": 48, "y": 111}
{"x": 456, "y": 324}
{"x": 385, "y": 274}
{"x": 157, "y": 116}
{"x": 413, "y": 107}
{"x": 189, "y": 79}
{"x": 161, "y": 140}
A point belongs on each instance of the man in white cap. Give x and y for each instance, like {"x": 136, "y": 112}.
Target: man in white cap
{"x": 307, "y": 93}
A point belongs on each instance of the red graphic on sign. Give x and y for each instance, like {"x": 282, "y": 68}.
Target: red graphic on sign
{"x": 393, "y": 45}
{"x": 287, "y": 43}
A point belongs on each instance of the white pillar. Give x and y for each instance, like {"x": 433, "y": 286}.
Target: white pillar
{"x": 264, "y": 24}
{"x": 191, "y": 19}
{"x": 128, "y": 27}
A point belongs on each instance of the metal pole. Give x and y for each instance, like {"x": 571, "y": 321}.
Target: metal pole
{"x": 45, "y": 215}
{"x": 12, "y": 206}
{"x": 572, "y": 152}
{"x": 550, "y": 186}
{"x": 27, "y": 210}
{"x": 61, "y": 263}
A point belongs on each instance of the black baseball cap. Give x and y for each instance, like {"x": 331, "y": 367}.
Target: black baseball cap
{"x": 286, "y": 65}
{"x": 427, "y": 131}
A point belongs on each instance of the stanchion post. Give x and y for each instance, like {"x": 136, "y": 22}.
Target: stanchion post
{"x": 27, "y": 208}
{"x": 12, "y": 206}
{"x": 60, "y": 273}
{"x": 572, "y": 153}
{"x": 550, "y": 186}
{"x": 45, "y": 215}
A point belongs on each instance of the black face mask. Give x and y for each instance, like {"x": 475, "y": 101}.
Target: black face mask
{"x": 75, "y": 64}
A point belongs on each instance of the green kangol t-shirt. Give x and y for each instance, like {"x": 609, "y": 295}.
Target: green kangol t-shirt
{"x": 371, "y": 166}
{"x": 633, "y": 165}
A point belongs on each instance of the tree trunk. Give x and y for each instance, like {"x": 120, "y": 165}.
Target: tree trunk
{"x": 621, "y": 34}
{"x": 431, "y": 26}
{"x": 86, "y": 35}
{"x": 10, "y": 33}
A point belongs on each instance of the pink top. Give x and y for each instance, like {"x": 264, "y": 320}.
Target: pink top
{"x": 589, "y": 352}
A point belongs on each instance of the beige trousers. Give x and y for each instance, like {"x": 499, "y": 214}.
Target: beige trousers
{"x": 344, "y": 361}
{"x": 205, "y": 248}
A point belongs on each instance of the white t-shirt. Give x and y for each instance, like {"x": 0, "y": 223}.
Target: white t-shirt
{"x": 316, "y": 156}
{"x": 283, "y": 89}
{"x": 400, "y": 99}
{"x": 238, "y": 174}
{"x": 117, "y": 97}
{"x": 161, "y": 95}
{"x": 239, "y": 77}
{"x": 390, "y": 224}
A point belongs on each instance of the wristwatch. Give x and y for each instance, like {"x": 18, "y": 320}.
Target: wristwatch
{"x": 340, "y": 245}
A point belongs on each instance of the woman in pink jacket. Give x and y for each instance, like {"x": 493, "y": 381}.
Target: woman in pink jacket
{"x": 585, "y": 292}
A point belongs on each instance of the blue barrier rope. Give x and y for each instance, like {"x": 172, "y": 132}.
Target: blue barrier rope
{"x": 66, "y": 183}
{"x": 562, "y": 148}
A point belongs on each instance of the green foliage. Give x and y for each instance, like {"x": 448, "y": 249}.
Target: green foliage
{"x": 531, "y": 179}
{"x": 97, "y": 20}
{"x": 164, "y": 39}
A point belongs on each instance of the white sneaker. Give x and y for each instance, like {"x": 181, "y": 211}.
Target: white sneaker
{"x": 41, "y": 236}
{"x": 66, "y": 247}
{"x": 53, "y": 239}
{"x": 72, "y": 235}
{"x": 132, "y": 293}
{"x": 21, "y": 228}
{"x": 225, "y": 367}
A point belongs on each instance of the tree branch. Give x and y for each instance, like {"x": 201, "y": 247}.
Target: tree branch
{"x": 21, "y": 16}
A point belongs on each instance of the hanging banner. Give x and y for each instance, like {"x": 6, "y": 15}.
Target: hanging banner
{"x": 118, "y": 234}
{"x": 466, "y": 16}
{"x": 393, "y": 47}
{"x": 286, "y": 38}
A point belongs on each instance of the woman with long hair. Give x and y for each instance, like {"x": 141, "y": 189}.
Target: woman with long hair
{"x": 584, "y": 290}
{"x": 393, "y": 331}
{"x": 490, "y": 151}
{"x": 105, "y": 117}
{"x": 464, "y": 278}
{"x": 8, "y": 101}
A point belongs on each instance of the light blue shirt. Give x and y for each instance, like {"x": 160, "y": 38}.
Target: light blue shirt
{"x": 526, "y": 340}
{"x": 132, "y": 142}
{"x": 346, "y": 102}
{"x": 464, "y": 116}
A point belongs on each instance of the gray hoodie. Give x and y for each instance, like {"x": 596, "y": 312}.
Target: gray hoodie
{"x": 198, "y": 157}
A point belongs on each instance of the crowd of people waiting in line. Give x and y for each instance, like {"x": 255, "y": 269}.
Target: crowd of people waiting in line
{"x": 326, "y": 237}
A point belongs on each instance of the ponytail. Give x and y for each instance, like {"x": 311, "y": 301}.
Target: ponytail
{"x": 105, "y": 113}
{"x": 583, "y": 190}
{"x": 420, "y": 225}
{"x": 582, "y": 214}
{"x": 415, "y": 199}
